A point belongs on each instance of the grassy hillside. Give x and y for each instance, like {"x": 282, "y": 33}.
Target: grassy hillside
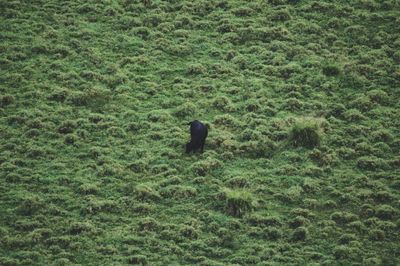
{"x": 300, "y": 166}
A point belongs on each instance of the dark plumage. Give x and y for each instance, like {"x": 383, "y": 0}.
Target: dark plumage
{"x": 198, "y": 135}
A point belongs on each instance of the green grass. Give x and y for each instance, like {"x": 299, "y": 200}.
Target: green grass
{"x": 301, "y": 162}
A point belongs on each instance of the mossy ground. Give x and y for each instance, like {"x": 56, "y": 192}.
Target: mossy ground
{"x": 94, "y": 98}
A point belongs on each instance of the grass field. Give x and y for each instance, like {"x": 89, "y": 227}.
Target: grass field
{"x": 301, "y": 165}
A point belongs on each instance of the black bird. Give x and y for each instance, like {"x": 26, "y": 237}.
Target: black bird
{"x": 198, "y": 135}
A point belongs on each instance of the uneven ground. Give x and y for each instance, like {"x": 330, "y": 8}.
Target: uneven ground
{"x": 94, "y": 98}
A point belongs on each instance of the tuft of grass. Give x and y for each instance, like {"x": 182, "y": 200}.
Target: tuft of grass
{"x": 6, "y": 100}
{"x": 331, "y": 69}
{"x": 300, "y": 234}
{"x": 306, "y": 133}
{"x": 186, "y": 110}
{"x": 138, "y": 260}
{"x": 178, "y": 191}
{"x": 205, "y": 167}
{"x": 386, "y": 212}
{"x": 238, "y": 201}
{"x": 372, "y": 163}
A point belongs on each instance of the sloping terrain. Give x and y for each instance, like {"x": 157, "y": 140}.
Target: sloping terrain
{"x": 300, "y": 166}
